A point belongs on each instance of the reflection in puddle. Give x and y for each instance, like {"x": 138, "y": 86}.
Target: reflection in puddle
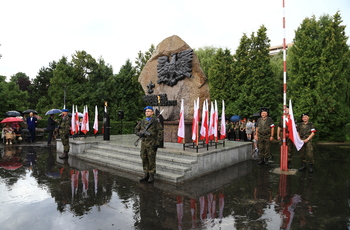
{"x": 53, "y": 194}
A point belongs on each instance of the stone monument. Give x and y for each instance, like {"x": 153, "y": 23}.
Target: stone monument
{"x": 171, "y": 74}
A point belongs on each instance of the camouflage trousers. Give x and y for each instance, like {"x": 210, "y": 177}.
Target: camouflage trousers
{"x": 290, "y": 145}
{"x": 148, "y": 157}
{"x": 307, "y": 153}
{"x": 264, "y": 146}
{"x": 65, "y": 143}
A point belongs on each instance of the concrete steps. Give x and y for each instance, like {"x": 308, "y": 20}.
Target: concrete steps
{"x": 171, "y": 166}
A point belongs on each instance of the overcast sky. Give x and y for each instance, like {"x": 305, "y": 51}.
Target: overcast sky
{"x": 37, "y": 32}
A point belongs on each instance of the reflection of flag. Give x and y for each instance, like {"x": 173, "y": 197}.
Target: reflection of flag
{"x": 181, "y": 130}
{"x": 193, "y": 206}
{"x": 223, "y": 122}
{"x": 72, "y": 131}
{"x": 95, "y": 171}
{"x": 204, "y": 125}
{"x": 179, "y": 210}
{"x": 195, "y": 120}
{"x": 96, "y": 120}
{"x": 293, "y": 134}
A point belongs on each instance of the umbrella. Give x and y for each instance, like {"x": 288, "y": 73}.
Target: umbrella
{"x": 11, "y": 119}
{"x": 235, "y": 118}
{"x": 53, "y": 111}
{"x": 257, "y": 114}
{"x": 11, "y": 165}
{"x": 13, "y": 113}
{"x": 29, "y": 111}
{"x": 80, "y": 114}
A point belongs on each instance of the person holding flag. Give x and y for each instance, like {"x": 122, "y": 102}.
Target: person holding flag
{"x": 64, "y": 129}
{"x": 306, "y": 132}
{"x": 150, "y": 131}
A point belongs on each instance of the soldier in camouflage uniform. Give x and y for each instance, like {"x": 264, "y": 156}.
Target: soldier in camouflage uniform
{"x": 289, "y": 142}
{"x": 264, "y": 133}
{"x": 64, "y": 129}
{"x": 151, "y": 132}
{"x": 306, "y": 131}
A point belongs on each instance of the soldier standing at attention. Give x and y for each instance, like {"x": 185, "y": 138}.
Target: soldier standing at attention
{"x": 306, "y": 131}
{"x": 264, "y": 133}
{"x": 64, "y": 129}
{"x": 151, "y": 132}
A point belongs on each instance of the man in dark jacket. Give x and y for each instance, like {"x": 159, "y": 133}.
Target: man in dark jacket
{"x": 32, "y": 122}
{"x": 151, "y": 132}
{"x": 51, "y": 125}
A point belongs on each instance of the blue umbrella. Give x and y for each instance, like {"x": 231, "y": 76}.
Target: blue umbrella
{"x": 13, "y": 113}
{"x": 53, "y": 111}
{"x": 235, "y": 118}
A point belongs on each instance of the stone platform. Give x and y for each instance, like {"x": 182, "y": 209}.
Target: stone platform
{"x": 174, "y": 163}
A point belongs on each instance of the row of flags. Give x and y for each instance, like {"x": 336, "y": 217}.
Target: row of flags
{"x": 209, "y": 125}
{"x": 84, "y": 127}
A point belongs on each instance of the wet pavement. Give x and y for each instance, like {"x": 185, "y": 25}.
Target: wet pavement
{"x": 39, "y": 192}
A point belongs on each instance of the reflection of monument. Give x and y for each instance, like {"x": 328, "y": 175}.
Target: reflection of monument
{"x": 174, "y": 73}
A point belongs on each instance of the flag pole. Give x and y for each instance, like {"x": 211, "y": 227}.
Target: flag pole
{"x": 284, "y": 147}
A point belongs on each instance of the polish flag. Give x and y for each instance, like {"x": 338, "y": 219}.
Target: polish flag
{"x": 195, "y": 120}
{"x": 76, "y": 119}
{"x": 72, "y": 129}
{"x": 96, "y": 120}
{"x": 216, "y": 121}
{"x": 181, "y": 130}
{"x": 223, "y": 122}
{"x": 204, "y": 126}
{"x": 293, "y": 133}
{"x": 211, "y": 122}
{"x": 85, "y": 124}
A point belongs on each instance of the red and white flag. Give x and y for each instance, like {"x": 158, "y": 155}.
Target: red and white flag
{"x": 195, "y": 120}
{"x": 204, "y": 126}
{"x": 181, "y": 130}
{"x": 293, "y": 133}
{"x": 216, "y": 121}
{"x": 76, "y": 119}
{"x": 223, "y": 122}
{"x": 211, "y": 122}
{"x": 96, "y": 120}
{"x": 85, "y": 123}
{"x": 72, "y": 127}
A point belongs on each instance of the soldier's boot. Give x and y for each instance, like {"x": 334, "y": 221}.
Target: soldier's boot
{"x": 310, "y": 168}
{"x": 64, "y": 155}
{"x": 151, "y": 178}
{"x": 303, "y": 165}
{"x": 261, "y": 161}
{"x": 145, "y": 177}
{"x": 289, "y": 164}
{"x": 266, "y": 162}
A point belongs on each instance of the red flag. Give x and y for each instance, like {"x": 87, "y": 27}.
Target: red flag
{"x": 181, "y": 130}
{"x": 211, "y": 122}
{"x": 293, "y": 133}
{"x": 72, "y": 128}
{"x": 85, "y": 123}
{"x": 76, "y": 119}
{"x": 96, "y": 120}
{"x": 216, "y": 121}
{"x": 223, "y": 122}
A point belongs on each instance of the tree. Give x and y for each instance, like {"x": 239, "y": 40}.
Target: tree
{"x": 22, "y": 80}
{"x": 205, "y": 56}
{"x": 319, "y": 75}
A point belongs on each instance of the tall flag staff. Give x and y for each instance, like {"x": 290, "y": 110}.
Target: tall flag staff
{"x": 96, "y": 122}
{"x": 284, "y": 147}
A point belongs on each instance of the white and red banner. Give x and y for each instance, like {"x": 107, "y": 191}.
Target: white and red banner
{"x": 96, "y": 121}
{"x": 181, "y": 129}
{"x": 76, "y": 119}
{"x": 204, "y": 134}
{"x": 195, "y": 120}
{"x": 72, "y": 127}
{"x": 216, "y": 121}
{"x": 293, "y": 133}
{"x": 85, "y": 123}
{"x": 223, "y": 122}
{"x": 211, "y": 122}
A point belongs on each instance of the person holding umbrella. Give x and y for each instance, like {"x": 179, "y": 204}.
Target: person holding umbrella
{"x": 51, "y": 125}
{"x": 64, "y": 129}
{"x": 32, "y": 122}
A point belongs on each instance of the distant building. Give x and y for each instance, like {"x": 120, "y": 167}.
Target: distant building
{"x": 276, "y": 49}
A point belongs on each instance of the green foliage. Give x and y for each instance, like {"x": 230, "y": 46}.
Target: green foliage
{"x": 319, "y": 75}
{"x": 206, "y": 56}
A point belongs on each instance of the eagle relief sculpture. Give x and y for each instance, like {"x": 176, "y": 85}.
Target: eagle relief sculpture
{"x": 179, "y": 67}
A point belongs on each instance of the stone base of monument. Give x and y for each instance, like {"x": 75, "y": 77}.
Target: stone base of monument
{"x": 171, "y": 129}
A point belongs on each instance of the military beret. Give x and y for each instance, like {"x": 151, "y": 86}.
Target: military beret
{"x": 148, "y": 107}
{"x": 65, "y": 110}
